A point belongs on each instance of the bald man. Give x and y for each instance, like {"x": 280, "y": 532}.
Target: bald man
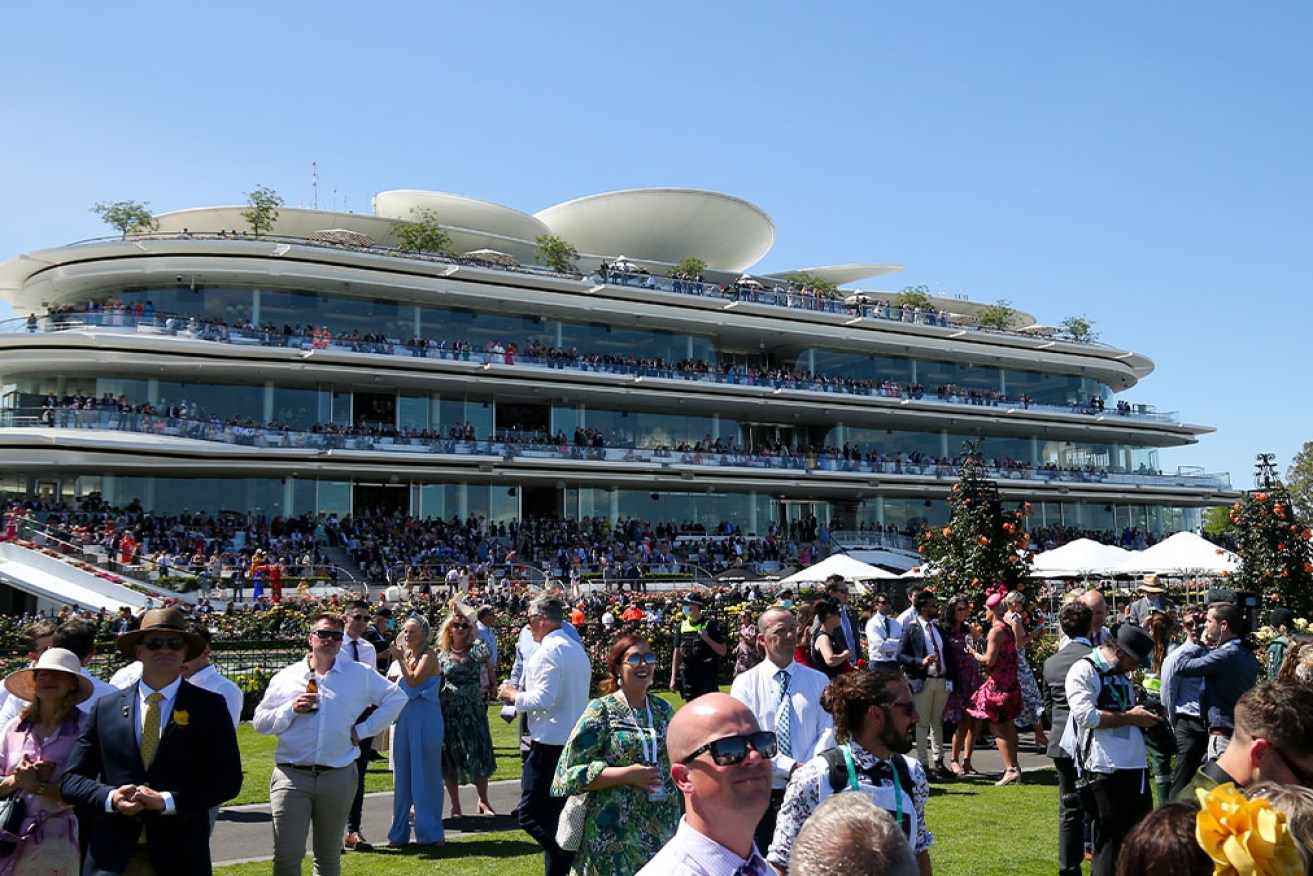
{"x": 721, "y": 762}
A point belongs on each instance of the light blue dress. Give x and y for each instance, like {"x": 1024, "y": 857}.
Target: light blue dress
{"x": 417, "y": 764}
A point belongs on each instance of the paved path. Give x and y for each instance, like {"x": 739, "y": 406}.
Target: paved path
{"x": 245, "y": 833}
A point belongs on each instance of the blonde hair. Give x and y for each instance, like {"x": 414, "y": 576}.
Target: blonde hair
{"x": 424, "y": 640}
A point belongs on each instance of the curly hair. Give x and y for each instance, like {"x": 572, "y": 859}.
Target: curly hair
{"x": 848, "y": 696}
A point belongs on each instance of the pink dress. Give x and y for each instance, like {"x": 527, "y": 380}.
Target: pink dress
{"x": 998, "y": 700}
{"x": 48, "y": 844}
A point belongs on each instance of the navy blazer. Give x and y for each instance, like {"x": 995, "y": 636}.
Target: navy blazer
{"x": 913, "y": 648}
{"x": 1055, "y": 692}
{"x": 197, "y": 761}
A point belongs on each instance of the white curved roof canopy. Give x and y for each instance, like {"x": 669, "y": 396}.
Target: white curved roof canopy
{"x": 458, "y": 211}
{"x": 841, "y": 274}
{"x": 665, "y": 225}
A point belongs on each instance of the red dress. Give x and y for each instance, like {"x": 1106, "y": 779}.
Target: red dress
{"x": 998, "y": 700}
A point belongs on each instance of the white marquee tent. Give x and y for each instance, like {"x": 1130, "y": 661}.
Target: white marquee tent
{"x": 1079, "y": 558}
{"x": 852, "y": 570}
{"x": 1183, "y": 554}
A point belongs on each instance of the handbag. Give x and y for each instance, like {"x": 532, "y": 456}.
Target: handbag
{"x": 570, "y": 829}
{"x": 12, "y": 810}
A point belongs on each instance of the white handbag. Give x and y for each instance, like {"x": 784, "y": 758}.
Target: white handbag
{"x": 570, "y": 829}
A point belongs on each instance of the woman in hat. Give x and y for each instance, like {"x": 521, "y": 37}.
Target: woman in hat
{"x": 34, "y": 748}
{"x": 468, "y": 756}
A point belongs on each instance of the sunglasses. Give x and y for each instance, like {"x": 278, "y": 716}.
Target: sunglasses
{"x": 1304, "y": 776}
{"x": 331, "y": 635}
{"x": 734, "y": 749}
{"x": 360, "y": 617}
{"x": 173, "y": 643}
{"x": 460, "y": 626}
{"x": 640, "y": 659}
{"x": 907, "y": 706}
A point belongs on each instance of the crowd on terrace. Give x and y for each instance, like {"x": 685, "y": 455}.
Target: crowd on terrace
{"x": 115, "y": 313}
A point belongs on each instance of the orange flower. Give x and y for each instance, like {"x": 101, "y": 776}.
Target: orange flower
{"x": 948, "y": 530}
{"x": 984, "y": 540}
{"x": 1261, "y": 497}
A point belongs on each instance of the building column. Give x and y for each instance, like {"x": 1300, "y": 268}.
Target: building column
{"x": 268, "y": 401}
{"x": 255, "y": 306}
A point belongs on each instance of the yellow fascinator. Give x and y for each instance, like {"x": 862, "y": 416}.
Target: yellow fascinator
{"x": 1245, "y": 837}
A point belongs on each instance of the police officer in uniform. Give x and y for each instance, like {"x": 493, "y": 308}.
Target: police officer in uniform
{"x": 700, "y": 645}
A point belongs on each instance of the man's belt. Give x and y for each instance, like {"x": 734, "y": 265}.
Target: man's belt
{"x": 313, "y": 768}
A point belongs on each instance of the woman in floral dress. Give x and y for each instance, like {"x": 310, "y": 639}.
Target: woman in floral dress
{"x": 1031, "y": 701}
{"x": 998, "y": 700}
{"x": 467, "y": 755}
{"x": 746, "y": 655}
{"x": 617, "y": 753}
{"x": 966, "y": 680}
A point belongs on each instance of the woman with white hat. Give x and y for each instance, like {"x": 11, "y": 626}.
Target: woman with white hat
{"x": 34, "y": 748}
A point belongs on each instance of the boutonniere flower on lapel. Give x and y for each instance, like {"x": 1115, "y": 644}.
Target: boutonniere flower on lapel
{"x": 181, "y": 718}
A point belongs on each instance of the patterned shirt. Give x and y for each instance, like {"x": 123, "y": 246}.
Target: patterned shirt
{"x": 810, "y": 787}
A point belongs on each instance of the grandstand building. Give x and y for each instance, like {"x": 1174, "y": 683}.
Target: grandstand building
{"x": 320, "y": 367}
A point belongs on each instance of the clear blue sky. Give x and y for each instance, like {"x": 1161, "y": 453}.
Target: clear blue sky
{"x": 1143, "y": 164}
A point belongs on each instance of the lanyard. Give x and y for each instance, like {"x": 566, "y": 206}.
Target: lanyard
{"x": 852, "y": 778}
{"x": 643, "y": 732}
{"x": 1117, "y": 686}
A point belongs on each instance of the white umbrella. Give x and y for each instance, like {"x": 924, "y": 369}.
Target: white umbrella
{"x": 623, "y": 264}
{"x": 491, "y": 256}
{"x": 1183, "y": 554}
{"x": 838, "y": 564}
{"x": 1080, "y": 557}
{"x": 745, "y": 280}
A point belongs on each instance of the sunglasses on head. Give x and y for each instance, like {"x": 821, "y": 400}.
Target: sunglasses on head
{"x": 639, "y": 659}
{"x": 734, "y": 749}
{"x": 173, "y": 643}
{"x": 332, "y": 635}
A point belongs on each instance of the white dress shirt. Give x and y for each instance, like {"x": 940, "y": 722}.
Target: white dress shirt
{"x": 883, "y": 635}
{"x": 1110, "y": 749}
{"x": 690, "y": 853}
{"x": 323, "y": 737}
{"x": 525, "y": 646}
{"x": 556, "y": 680}
{"x": 811, "y": 729}
{"x": 210, "y": 679}
{"x": 368, "y": 653}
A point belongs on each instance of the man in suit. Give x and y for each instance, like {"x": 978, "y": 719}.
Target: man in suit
{"x": 836, "y": 587}
{"x": 1075, "y": 620}
{"x": 153, "y": 758}
{"x": 929, "y": 665}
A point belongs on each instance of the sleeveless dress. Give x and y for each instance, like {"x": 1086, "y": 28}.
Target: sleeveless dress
{"x": 48, "y": 839}
{"x": 417, "y": 762}
{"x": 468, "y": 749}
{"x": 966, "y": 679}
{"x": 999, "y": 698}
{"x": 1031, "y": 701}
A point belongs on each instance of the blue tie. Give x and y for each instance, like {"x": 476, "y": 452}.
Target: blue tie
{"x": 784, "y": 720}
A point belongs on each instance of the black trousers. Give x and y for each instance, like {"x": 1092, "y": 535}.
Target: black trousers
{"x": 539, "y": 812}
{"x": 1071, "y": 820}
{"x": 1191, "y": 750}
{"x": 1121, "y": 799}
{"x": 358, "y": 802}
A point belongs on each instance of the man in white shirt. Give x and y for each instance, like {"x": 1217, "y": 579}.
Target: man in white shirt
{"x": 720, "y": 762}
{"x": 363, "y": 651}
{"x": 553, "y": 694}
{"x": 314, "y": 707}
{"x": 883, "y": 634}
{"x": 201, "y": 672}
{"x": 909, "y": 613}
{"x": 1103, "y": 737}
{"x": 785, "y": 697}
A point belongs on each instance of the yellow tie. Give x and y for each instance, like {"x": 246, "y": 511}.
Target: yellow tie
{"x": 150, "y": 730}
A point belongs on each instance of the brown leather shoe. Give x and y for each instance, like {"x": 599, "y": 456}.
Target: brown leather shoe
{"x": 356, "y": 842}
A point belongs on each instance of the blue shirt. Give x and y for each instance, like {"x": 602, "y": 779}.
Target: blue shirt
{"x": 1227, "y": 671}
{"x": 1180, "y": 696}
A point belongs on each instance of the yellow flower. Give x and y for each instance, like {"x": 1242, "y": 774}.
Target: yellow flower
{"x": 1245, "y": 837}
{"x": 181, "y": 718}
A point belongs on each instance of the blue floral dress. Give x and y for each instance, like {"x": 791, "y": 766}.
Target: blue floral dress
{"x": 623, "y": 828}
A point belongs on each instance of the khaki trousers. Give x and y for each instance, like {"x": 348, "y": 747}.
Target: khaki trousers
{"x": 300, "y": 800}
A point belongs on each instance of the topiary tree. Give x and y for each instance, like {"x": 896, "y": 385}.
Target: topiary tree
{"x": 819, "y": 285}
{"x": 999, "y": 315}
{"x": 982, "y": 545}
{"x": 689, "y": 269}
{"x": 423, "y": 233}
{"x": 1274, "y": 546}
{"x": 913, "y": 296}
{"x": 1079, "y": 329}
{"x": 262, "y": 212}
{"x": 129, "y": 217}
{"x": 557, "y": 253}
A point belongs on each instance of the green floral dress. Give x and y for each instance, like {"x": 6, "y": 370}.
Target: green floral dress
{"x": 623, "y": 829}
{"x": 467, "y": 743}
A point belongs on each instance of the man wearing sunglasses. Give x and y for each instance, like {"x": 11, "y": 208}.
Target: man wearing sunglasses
{"x": 1273, "y": 741}
{"x": 314, "y": 708}
{"x": 356, "y": 645}
{"x": 153, "y": 759}
{"x": 721, "y": 762}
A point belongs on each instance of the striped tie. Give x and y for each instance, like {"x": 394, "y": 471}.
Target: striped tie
{"x": 150, "y": 730}
{"x": 784, "y": 720}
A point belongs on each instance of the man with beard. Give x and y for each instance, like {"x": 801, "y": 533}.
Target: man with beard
{"x": 875, "y": 720}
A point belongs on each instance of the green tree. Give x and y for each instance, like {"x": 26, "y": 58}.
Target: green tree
{"x": 999, "y": 315}
{"x": 422, "y": 234}
{"x": 689, "y": 269}
{"x": 1274, "y": 546}
{"x": 262, "y": 209}
{"x": 1079, "y": 329}
{"x": 981, "y": 545}
{"x": 1217, "y": 521}
{"x": 913, "y": 296}
{"x": 129, "y": 217}
{"x": 1299, "y": 480}
{"x": 817, "y": 284}
{"x": 557, "y": 253}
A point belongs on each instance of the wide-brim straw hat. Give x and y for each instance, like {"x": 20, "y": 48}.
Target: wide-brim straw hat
{"x": 1150, "y": 584}
{"x": 161, "y": 620}
{"x": 22, "y": 683}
